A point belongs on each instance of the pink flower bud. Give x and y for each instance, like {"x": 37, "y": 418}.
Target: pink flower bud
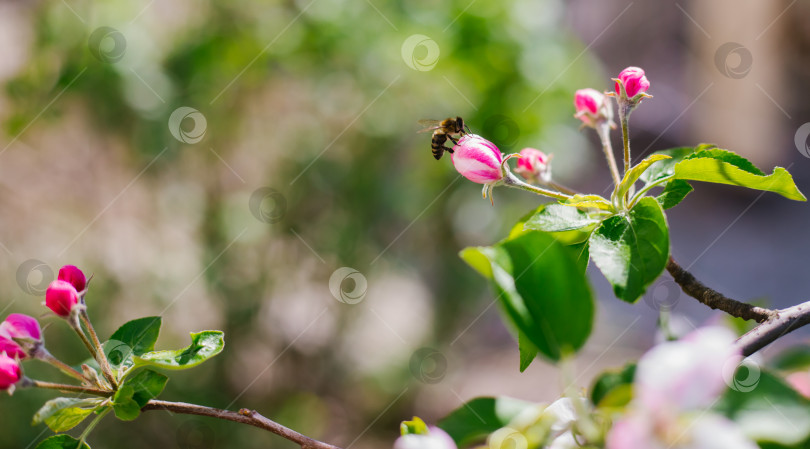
{"x": 70, "y": 273}
{"x": 10, "y": 372}
{"x": 477, "y": 159}
{"x": 61, "y": 297}
{"x": 534, "y": 165}
{"x": 21, "y": 327}
{"x": 592, "y": 107}
{"x": 634, "y": 82}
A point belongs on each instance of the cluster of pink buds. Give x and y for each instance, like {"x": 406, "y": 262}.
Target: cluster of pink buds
{"x": 21, "y": 335}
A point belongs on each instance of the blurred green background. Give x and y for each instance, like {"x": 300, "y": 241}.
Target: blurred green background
{"x": 307, "y": 160}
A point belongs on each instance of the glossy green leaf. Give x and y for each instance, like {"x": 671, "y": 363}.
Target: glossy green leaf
{"x": 132, "y": 339}
{"x": 557, "y": 217}
{"x": 473, "y": 421}
{"x": 61, "y": 442}
{"x": 528, "y": 351}
{"x": 635, "y": 172}
{"x": 136, "y": 391}
{"x": 666, "y": 167}
{"x": 204, "y": 345}
{"x": 63, "y": 414}
{"x": 542, "y": 289}
{"x": 767, "y": 409}
{"x": 589, "y": 202}
{"x": 725, "y": 167}
{"x": 674, "y": 192}
{"x": 632, "y": 249}
{"x": 611, "y": 388}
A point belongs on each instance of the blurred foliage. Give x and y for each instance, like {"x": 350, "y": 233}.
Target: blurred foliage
{"x": 315, "y": 100}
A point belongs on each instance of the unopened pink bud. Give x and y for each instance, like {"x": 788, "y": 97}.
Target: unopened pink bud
{"x": 24, "y": 329}
{"x": 634, "y": 82}
{"x": 61, "y": 297}
{"x": 10, "y": 371}
{"x": 73, "y": 275}
{"x": 478, "y": 159}
{"x": 592, "y": 107}
{"x": 534, "y": 165}
{"x": 12, "y": 349}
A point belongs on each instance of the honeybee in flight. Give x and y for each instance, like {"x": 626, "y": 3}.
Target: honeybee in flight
{"x": 443, "y": 130}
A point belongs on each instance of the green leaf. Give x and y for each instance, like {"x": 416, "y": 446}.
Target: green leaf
{"x": 63, "y": 414}
{"x": 589, "y": 202}
{"x": 414, "y": 427}
{"x": 528, "y": 351}
{"x": 609, "y": 390}
{"x": 479, "y": 417}
{"x": 725, "y": 167}
{"x": 674, "y": 192}
{"x": 61, "y": 442}
{"x": 132, "y": 339}
{"x": 634, "y": 173}
{"x": 666, "y": 167}
{"x": 542, "y": 289}
{"x": 557, "y": 217}
{"x": 136, "y": 391}
{"x": 204, "y": 345}
{"x": 632, "y": 250}
{"x": 768, "y": 411}
{"x": 794, "y": 358}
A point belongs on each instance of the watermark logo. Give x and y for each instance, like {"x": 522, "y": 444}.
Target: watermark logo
{"x": 733, "y": 60}
{"x": 663, "y": 296}
{"x": 182, "y": 115}
{"x": 741, "y": 374}
{"x": 348, "y": 285}
{"x": 428, "y": 365}
{"x": 508, "y": 438}
{"x": 268, "y": 205}
{"x": 195, "y": 434}
{"x": 107, "y": 44}
{"x": 420, "y": 52}
{"x": 503, "y": 129}
{"x": 800, "y": 139}
{"x": 34, "y": 276}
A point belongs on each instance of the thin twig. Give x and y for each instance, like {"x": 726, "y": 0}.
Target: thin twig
{"x": 243, "y": 416}
{"x": 783, "y": 322}
{"x": 603, "y": 131}
{"x": 714, "y": 299}
{"x": 101, "y": 357}
{"x": 71, "y": 388}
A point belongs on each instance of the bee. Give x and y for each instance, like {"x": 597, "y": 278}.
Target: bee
{"x": 442, "y": 131}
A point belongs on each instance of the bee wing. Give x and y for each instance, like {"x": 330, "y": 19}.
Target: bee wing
{"x": 429, "y": 124}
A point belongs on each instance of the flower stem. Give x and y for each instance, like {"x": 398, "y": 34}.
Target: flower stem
{"x": 647, "y": 188}
{"x": 45, "y": 356}
{"x": 603, "y": 130}
{"x": 92, "y": 426}
{"x": 244, "y": 416}
{"x": 70, "y": 388}
{"x": 624, "y": 114}
{"x": 101, "y": 358}
{"x": 511, "y": 180}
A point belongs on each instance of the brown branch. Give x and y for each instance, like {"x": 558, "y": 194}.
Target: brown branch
{"x": 243, "y": 416}
{"x": 783, "y": 322}
{"x": 714, "y": 299}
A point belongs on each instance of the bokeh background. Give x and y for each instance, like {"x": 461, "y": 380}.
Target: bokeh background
{"x": 216, "y": 163}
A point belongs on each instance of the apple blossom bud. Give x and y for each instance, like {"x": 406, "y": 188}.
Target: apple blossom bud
{"x": 73, "y": 275}
{"x": 61, "y": 297}
{"x": 478, "y": 159}
{"x": 19, "y": 331}
{"x": 534, "y": 165}
{"x": 436, "y": 438}
{"x": 593, "y": 107}
{"x": 634, "y": 82}
{"x": 10, "y": 371}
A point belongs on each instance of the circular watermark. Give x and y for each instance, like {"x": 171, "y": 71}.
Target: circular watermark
{"x": 503, "y": 129}
{"x": 117, "y": 352}
{"x": 428, "y": 365}
{"x": 182, "y": 115}
{"x": 107, "y": 44}
{"x": 268, "y": 205}
{"x": 741, "y": 374}
{"x": 34, "y": 276}
{"x": 195, "y": 434}
{"x": 733, "y": 60}
{"x": 420, "y": 52}
{"x": 348, "y": 285}
{"x": 508, "y": 438}
{"x": 663, "y": 296}
{"x": 800, "y": 139}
